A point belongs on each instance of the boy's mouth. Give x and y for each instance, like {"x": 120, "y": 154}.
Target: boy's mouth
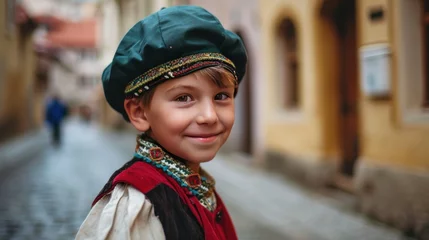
{"x": 204, "y": 138}
{"x": 206, "y": 135}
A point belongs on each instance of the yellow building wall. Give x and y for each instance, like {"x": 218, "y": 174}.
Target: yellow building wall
{"x": 2, "y": 61}
{"x": 28, "y": 120}
{"x": 11, "y": 73}
{"x": 298, "y": 133}
{"x": 313, "y": 131}
{"x": 373, "y": 32}
{"x": 384, "y": 140}
{"x": 39, "y": 109}
{"x": 19, "y": 107}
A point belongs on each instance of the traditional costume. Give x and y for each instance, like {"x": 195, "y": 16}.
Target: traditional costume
{"x": 156, "y": 195}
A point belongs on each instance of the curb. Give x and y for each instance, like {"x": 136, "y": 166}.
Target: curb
{"x": 22, "y": 148}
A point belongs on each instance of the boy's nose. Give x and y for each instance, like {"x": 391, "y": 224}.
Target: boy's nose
{"x": 207, "y": 114}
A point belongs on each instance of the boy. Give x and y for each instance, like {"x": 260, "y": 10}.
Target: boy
{"x": 173, "y": 77}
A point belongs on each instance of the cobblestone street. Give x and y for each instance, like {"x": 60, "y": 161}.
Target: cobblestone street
{"x": 48, "y": 197}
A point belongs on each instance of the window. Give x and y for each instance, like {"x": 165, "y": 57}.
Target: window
{"x": 425, "y": 35}
{"x": 412, "y": 64}
{"x": 289, "y": 64}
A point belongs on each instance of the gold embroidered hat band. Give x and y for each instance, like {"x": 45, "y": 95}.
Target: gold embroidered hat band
{"x": 175, "y": 69}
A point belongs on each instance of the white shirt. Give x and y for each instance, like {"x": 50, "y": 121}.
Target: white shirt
{"x": 124, "y": 214}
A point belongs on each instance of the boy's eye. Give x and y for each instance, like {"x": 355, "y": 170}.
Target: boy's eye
{"x": 184, "y": 98}
{"x": 221, "y": 96}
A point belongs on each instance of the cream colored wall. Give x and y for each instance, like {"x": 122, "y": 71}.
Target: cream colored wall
{"x": 63, "y": 9}
{"x": 158, "y": 4}
{"x": 385, "y": 138}
{"x": 110, "y": 35}
{"x": 109, "y": 30}
{"x": 129, "y": 14}
{"x": 298, "y": 133}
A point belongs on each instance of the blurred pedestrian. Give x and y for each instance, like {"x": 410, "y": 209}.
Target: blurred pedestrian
{"x": 174, "y": 77}
{"x": 56, "y": 111}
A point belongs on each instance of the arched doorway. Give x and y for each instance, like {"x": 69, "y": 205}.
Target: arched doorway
{"x": 245, "y": 102}
{"x": 341, "y": 16}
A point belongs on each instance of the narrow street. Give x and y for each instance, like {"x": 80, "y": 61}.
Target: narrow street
{"x": 49, "y": 196}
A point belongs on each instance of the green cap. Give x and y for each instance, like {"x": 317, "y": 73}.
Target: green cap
{"x": 170, "y": 43}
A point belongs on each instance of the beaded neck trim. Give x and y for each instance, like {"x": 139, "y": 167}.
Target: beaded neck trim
{"x": 176, "y": 68}
{"x": 200, "y": 184}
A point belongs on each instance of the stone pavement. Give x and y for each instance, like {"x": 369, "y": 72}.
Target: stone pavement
{"x": 22, "y": 147}
{"x": 288, "y": 209}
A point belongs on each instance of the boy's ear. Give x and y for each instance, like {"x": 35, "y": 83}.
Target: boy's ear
{"x": 136, "y": 114}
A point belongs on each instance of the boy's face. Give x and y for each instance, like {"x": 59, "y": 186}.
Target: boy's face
{"x": 191, "y": 117}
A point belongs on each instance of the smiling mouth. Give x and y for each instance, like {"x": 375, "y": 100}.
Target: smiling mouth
{"x": 205, "y": 138}
{"x": 204, "y": 135}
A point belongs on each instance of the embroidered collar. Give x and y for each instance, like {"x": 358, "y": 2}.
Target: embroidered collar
{"x": 199, "y": 184}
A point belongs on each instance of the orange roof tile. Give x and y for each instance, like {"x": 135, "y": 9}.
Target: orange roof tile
{"x": 74, "y": 35}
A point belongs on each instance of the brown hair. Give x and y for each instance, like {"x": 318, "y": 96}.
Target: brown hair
{"x": 219, "y": 75}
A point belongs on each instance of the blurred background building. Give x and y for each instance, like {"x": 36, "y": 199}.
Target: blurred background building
{"x": 21, "y": 91}
{"x": 336, "y": 92}
{"x": 345, "y": 100}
